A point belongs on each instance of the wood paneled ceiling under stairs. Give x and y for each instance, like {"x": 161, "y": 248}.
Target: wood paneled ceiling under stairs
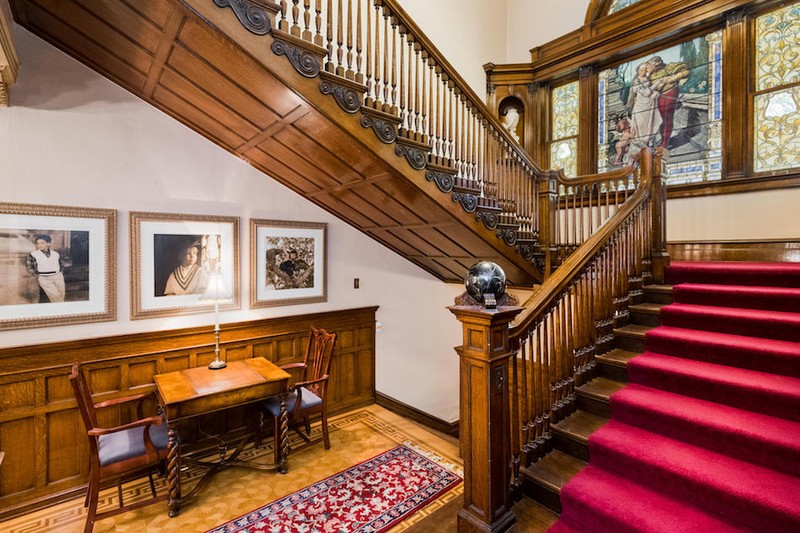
{"x": 196, "y": 62}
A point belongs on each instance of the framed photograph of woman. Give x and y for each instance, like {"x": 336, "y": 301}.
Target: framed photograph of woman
{"x": 287, "y": 263}
{"x": 57, "y": 265}
{"x": 174, "y": 259}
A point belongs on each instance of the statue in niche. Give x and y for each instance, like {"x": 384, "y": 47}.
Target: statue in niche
{"x": 511, "y": 122}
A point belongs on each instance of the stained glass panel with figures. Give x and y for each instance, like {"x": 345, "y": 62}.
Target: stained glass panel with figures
{"x": 616, "y": 5}
{"x": 671, "y": 100}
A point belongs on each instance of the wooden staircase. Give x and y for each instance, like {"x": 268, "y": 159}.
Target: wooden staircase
{"x": 543, "y": 479}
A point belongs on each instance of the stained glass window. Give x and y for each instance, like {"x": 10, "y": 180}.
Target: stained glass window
{"x": 616, "y": 5}
{"x": 777, "y": 99}
{"x": 565, "y": 119}
{"x": 671, "y": 100}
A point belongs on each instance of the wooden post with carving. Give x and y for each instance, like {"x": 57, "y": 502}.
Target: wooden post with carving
{"x": 485, "y": 418}
{"x": 658, "y": 209}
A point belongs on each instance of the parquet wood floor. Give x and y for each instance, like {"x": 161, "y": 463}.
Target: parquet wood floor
{"x": 355, "y": 437}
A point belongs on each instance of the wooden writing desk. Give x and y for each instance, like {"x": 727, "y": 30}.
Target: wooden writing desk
{"x": 198, "y": 391}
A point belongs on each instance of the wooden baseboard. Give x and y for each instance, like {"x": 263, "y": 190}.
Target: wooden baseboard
{"x": 450, "y": 428}
{"x": 771, "y": 250}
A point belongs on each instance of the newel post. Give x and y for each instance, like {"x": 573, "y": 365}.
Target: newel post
{"x": 658, "y": 210}
{"x": 485, "y": 418}
{"x": 548, "y": 196}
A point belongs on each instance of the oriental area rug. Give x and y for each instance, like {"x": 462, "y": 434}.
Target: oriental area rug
{"x": 370, "y": 497}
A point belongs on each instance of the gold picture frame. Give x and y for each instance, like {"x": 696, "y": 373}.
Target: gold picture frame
{"x": 288, "y": 263}
{"x": 172, "y": 258}
{"x": 58, "y": 265}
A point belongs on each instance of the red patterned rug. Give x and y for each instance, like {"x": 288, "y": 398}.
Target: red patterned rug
{"x": 370, "y": 497}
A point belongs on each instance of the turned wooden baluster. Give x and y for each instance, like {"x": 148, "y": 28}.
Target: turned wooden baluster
{"x": 307, "y": 34}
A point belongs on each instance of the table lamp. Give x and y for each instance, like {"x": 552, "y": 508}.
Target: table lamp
{"x": 216, "y": 292}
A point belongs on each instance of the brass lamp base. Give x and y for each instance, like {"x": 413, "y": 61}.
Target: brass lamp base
{"x": 216, "y": 364}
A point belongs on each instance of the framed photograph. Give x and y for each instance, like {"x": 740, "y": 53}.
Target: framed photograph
{"x": 288, "y": 263}
{"x": 57, "y": 265}
{"x": 177, "y": 259}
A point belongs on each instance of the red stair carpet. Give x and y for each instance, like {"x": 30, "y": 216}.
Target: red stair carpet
{"x": 706, "y": 437}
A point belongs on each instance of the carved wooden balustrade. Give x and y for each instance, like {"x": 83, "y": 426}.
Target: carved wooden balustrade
{"x": 520, "y": 365}
{"x": 374, "y": 60}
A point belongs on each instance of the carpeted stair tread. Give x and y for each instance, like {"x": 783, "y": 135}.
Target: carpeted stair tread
{"x": 753, "y": 437}
{"x": 752, "y": 297}
{"x": 751, "y": 390}
{"x": 766, "y": 355}
{"x": 755, "y": 322}
{"x": 735, "y": 273}
{"x": 744, "y": 493}
{"x": 599, "y": 501}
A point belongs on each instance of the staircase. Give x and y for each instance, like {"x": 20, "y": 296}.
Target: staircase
{"x": 706, "y": 436}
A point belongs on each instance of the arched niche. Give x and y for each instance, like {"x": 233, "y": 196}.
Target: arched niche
{"x": 511, "y": 112}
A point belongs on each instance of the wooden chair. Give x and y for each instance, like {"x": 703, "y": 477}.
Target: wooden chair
{"x": 118, "y": 453}
{"x": 307, "y": 397}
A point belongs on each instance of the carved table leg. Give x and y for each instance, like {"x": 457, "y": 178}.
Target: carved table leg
{"x": 284, "y": 435}
{"x": 174, "y": 471}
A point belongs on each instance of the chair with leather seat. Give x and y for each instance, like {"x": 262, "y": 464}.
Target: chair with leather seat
{"x": 308, "y": 396}
{"x": 118, "y": 453}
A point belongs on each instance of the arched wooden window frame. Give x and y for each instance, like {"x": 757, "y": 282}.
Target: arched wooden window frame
{"x": 646, "y": 27}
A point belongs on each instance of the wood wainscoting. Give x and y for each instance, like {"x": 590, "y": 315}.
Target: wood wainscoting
{"x": 42, "y": 435}
{"x": 770, "y": 250}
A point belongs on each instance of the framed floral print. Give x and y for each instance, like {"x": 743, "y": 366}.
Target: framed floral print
{"x": 57, "y": 265}
{"x": 287, "y": 263}
{"x": 174, "y": 258}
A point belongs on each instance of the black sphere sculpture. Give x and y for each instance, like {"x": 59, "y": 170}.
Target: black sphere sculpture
{"x": 486, "y": 283}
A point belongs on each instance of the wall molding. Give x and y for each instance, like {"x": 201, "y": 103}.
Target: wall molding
{"x": 396, "y": 406}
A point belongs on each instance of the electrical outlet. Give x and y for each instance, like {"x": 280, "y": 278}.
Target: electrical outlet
{"x": 356, "y": 283}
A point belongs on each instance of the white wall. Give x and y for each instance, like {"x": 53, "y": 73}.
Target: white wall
{"x": 73, "y": 138}
{"x": 534, "y": 22}
{"x": 756, "y": 215}
{"x": 469, "y": 33}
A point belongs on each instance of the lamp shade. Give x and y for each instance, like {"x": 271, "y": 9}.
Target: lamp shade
{"x": 216, "y": 291}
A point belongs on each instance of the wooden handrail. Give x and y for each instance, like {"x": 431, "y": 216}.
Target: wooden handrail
{"x": 554, "y": 285}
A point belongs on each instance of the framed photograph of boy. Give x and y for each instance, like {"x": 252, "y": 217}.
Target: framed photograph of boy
{"x": 57, "y": 265}
{"x": 176, "y": 260}
{"x": 288, "y": 263}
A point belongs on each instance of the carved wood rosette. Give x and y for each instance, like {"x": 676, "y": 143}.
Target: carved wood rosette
{"x": 415, "y": 152}
{"x": 443, "y": 177}
{"x": 468, "y": 201}
{"x": 383, "y": 124}
{"x": 527, "y": 248}
{"x": 257, "y": 17}
{"x": 347, "y": 93}
{"x": 507, "y": 232}
{"x": 489, "y": 218}
{"x": 305, "y": 57}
